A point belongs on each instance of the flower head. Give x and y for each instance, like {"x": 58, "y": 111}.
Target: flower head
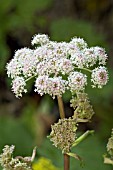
{"x": 78, "y": 59}
{"x": 83, "y": 109}
{"x": 13, "y": 68}
{"x": 53, "y": 86}
{"x": 77, "y": 81}
{"x": 41, "y": 84}
{"x": 18, "y": 86}
{"x": 40, "y": 39}
{"x": 109, "y": 159}
{"x": 110, "y": 144}
{"x": 99, "y": 77}
{"x": 63, "y": 134}
{"x": 27, "y": 61}
{"x": 57, "y": 66}
{"x": 65, "y": 66}
{"x": 79, "y": 43}
{"x": 90, "y": 57}
{"x": 101, "y": 54}
{"x": 9, "y": 163}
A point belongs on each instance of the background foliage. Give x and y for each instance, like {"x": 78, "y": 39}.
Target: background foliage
{"x": 26, "y": 122}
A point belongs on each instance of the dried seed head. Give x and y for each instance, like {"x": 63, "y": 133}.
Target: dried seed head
{"x": 63, "y": 134}
{"x": 110, "y": 145}
{"x": 83, "y": 109}
{"x": 18, "y": 163}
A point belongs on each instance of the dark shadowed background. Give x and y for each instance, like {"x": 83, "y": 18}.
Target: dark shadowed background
{"x": 25, "y": 122}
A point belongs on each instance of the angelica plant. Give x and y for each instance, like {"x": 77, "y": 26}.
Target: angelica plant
{"x": 57, "y": 67}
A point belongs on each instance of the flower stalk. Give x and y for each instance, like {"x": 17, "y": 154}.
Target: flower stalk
{"x": 66, "y": 162}
{"x": 62, "y": 115}
{"x": 61, "y": 107}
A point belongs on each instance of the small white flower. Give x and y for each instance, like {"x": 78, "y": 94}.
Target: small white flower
{"x": 56, "y": 86}
{"x": 41, "y": 84}
{"x": 72, "y": 49}
{"x": 79, "y": 43}
{"x": 99, "y": 77}
{"x": 8, "y": 150}
{"x": 13, "y": 68}
{"x": 24, "y": 62}
{"x": 78, "y": 59}
{"x": 52, "y": 86}
{"x": 65, "y": 66}
{"x": 27, "y": 60}
{"x": 5, "y": 157}
{"x": 77, "y": 81}
{"x": 59, "y": 50}
{"x": 101, "y": 54}
{"x": 90, "y": 57}
{"x": 40, "y": 39}
{"x": 22, "y": 52}
{"x": 18, "y": 86}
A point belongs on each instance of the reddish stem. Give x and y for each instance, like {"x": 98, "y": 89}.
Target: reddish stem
{"x": 66, "y": 162}
{"x": 62, "y": 115}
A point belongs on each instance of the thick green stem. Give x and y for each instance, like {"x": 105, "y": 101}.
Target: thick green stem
{"x": 62, "y": 115}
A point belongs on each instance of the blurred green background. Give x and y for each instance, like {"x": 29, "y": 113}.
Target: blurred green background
{"x": 26, "y": 122}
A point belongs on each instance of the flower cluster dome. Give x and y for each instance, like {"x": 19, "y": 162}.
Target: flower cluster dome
{"x": 57, "y": 66}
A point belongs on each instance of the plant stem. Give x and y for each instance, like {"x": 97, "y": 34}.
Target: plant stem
{"x": 66, "y": 162}
{"x": 62, "y": 115}
{"x": 61, "y": 107}
{"x": 82, "y": 137}
{"x": 86, "y": 69}
{"x": 30, "y": 78}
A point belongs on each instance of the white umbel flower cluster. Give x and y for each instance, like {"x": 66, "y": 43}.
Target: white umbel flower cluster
{"x": 57, "y": 66}
{"x": 77, "y": 81}
{"x": 53, "y": 86}
{"x": 99, "y": 77}
{"x": 18, "y": 86}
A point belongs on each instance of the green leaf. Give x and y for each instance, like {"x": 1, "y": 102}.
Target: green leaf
{"x": 74, "y": 155}
{"x": 82, "y": 137}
